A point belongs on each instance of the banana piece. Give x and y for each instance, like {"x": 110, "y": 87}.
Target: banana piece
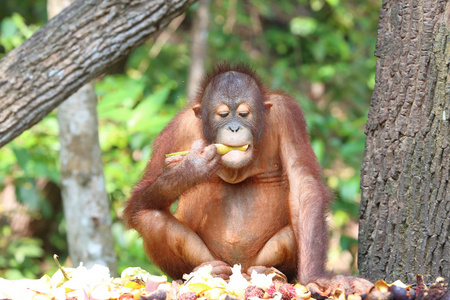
{"x": 221, "y": 149}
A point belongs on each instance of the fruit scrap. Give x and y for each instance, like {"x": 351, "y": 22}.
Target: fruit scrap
{"x": 398, "y": 290}
{"x": 55, "y": 257}
{"x": 135, "y": 284}
{"x": 399, "y": 293}
{"x": 156, "y": 295}
{"x": 153, "y": 282}
{"x": 221, "y": 150}
{"x": 421, "y": 287}
{"x": 339, "y": 294}
{"x": 126, "y": 296}
{"x": 378, "y": 295}
{"x": 382, "y": 286}
{"x": 188, "y": 296}
{"x": 253, "y": 291}
{"x": 286, "y": 290}
{"x": 96, "y": 284}
{"x": 302, "y": 291}
{"x": 354, "y": 297}
{"x": 437, "y": 290}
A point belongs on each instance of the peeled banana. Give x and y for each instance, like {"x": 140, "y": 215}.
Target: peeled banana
{"x": 221, "y": 149}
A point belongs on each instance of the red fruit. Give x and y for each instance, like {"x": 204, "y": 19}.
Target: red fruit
{"x": 274, "y": 288}
{"x": 288, "y": 291}
{"x": 253, "y": 291}
{"x": 126, "y": 296}
{"x": 188, "y": 296}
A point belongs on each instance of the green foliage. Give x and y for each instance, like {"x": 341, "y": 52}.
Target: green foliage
{"x": 130, "y": 118}
{"x": 14, "y": 31}
{"x": 130, "y": 246}
{"x": 320, "y": 51}
{"x": 18, "y": 257}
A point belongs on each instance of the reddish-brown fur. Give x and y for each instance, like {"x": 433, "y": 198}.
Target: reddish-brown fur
{"x": 269, "y": 213}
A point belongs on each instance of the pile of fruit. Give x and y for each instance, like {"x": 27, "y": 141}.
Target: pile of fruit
{"x": 137, "y": 284}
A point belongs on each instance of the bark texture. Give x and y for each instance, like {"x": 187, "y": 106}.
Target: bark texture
{"x": 70, "y": 50}
{"x": 85, "y": 201}
{"x": 199, "y": 48}
{"x": 405, "y": 205}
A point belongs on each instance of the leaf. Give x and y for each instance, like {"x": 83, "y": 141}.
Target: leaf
{"x": 349, "y": 190}
{"x": 119, "y": 114}
{"x": 19, "y": 21}
{"x": 333, "y": 3}
{"x": 22, "y": 157}
{"x": 354, "y": 147}
{"x": 26, "y": 247}
{"x": 151, "y": 125}
{"x": 147, "y": 108}
{"x": 319, "y": 149}
{"x": 303, "y": 26}
{"x": 8, "y": 28}
{"x": 118, "y": 90}
{"x": 27, "y": 193}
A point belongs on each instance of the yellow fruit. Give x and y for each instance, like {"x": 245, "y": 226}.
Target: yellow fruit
{"x": 224, "y": 149}
{"x": 221, "y": 150}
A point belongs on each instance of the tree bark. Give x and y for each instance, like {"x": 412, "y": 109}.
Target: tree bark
{"x": 199, "y": 48}
{"x": 85, "y": 201}
{"x": 70, "y": 50}
{"x": 405, "y": 205}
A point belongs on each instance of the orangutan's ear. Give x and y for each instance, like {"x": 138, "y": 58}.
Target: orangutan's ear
{"x": 197, "y": 110}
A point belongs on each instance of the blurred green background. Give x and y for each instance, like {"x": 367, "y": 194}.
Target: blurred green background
{"x": 319, "y": 51}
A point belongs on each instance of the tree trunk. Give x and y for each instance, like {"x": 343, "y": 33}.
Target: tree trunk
{"x": 70, "y": 50}
{"x": 405, "y": 205}
{"x": 86, "y": 207}
{"x": 85, "y": 201}
{"x": 199, "y": 48}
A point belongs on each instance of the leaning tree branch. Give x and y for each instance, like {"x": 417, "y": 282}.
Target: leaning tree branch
{"x": 76, "y": 46}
